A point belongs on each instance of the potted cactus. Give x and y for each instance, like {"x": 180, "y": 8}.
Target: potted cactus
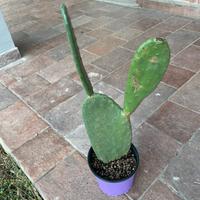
{"x": 113, "y": 158}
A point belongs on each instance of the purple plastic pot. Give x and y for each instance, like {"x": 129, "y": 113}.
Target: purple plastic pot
{"x": 118, "y": 187}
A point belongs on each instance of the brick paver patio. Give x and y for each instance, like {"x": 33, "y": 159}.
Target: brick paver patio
{"x": 40, "y": 98}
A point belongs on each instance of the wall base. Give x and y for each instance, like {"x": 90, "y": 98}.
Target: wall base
{"x": 176, "y": 7}
{"x": 8, "y": 57}
{"x": 128, "y": 3}
{"x": 8, "y": 52}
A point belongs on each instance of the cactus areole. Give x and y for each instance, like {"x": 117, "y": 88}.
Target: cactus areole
{"x": 107, "y": 124}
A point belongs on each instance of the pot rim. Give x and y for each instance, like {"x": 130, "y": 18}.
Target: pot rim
{"x": 136, "y": 156}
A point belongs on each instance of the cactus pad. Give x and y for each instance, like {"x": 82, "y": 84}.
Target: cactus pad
{"x": 108, "y": 128}
{"x": 147, "y": 69}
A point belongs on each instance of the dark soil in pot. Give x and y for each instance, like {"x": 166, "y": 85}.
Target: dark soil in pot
{"x": 114, "y": 170}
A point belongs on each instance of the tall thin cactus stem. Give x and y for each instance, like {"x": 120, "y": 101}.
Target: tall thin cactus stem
{"x": 75, "y": 52}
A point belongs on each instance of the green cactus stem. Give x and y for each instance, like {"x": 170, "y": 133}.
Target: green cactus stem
{"x": 147, "y": 69}
{"x": 75, "y": 52}
{"x": 108, "y": 128}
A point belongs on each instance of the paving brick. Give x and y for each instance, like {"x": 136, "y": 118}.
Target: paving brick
{"x": 160, "y": 191}
{"x": 55, "y": 72}
{"x": 59, "y": 27}
{"x": 7, "y": 98}
{"x": 150, "y": 104}
{"x": 95, "y": 74}
{"x": 6, "y": 78}
{"x": 100, "y": 33}
{"x": 33, "y": 51}
{"x": 30, "y": 85}
{"x": 183, "y": 171}
{"x": 104, "y": 46}
{"x": 21, "y": 22}
{"x": 188, "y": 95}
{"x": 176, "y": 76}
{"x": 156, "y": 32}
{"x": 155, "y": 14}
{"x": 81, "y": 20}
{"x": 138, "y": 14}
{"x": 30, "y": 67}
{"x": 176, "y": 121}
{"x": 118, "y": 78}
{"x": 79, "y": 140}
{"x": 81, "y": 30}
{"x": 42, "y": 153}
{"x": 88, "y": 6}
{"x": 56, "y": 41}
{"x": 110, "y": 7}
{"x": 43, "y": 34}
{"x": 188, "y": 58}
{"x": 21, "y": 26}
{"x": 84, "y": 40}
{"x": 56, "y": 93}
{"x": 66, "y": 116}
{"x": 145, "y": 24}
{"x": 174, "y": 23}
{"x": 36, "y": 26}
{"x": 119, "y": 24}
{"x": 59, "y": 52}
{"x": 123, "y": 11}
{"x": 18, "y": 125}
{"x": 73, "y": 12}
{"x": 193, "y": 26}
{"x": 99, "y": 22}
{"x": 127, "y": 33}
{"x": 67, "y": 178}
{"x": 181, "y": 39}
{"x": 113, "y": 60}
{"x": 155, "y": 150}
{"x": 116, "y": 14}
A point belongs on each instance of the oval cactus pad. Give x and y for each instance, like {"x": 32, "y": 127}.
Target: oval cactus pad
{"x": 108, "y": 128}
{"x": 147, "y": 69}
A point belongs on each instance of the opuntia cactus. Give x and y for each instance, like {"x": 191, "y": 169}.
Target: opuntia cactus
{"x": 107, "y": 124}
{"x": 147, "y": 69}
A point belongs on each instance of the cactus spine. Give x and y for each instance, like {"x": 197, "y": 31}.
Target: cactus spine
{"x": 108, "y": 125}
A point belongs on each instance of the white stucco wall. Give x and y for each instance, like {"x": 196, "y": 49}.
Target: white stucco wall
{"x": 6, "y": 42}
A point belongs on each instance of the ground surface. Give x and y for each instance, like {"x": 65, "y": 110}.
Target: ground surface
{"x": 13, "y": 182}
{"x": 40, "y": 107}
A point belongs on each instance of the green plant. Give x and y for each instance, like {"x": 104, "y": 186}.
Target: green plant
{"x": 108, "y": 125}
{"x": 14, "y": 185}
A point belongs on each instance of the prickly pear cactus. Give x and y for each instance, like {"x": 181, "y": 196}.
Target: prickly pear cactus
{"x": 147, "y": 69}
{"x": 108, "y": 128}
{"x": 108, "y": 125}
